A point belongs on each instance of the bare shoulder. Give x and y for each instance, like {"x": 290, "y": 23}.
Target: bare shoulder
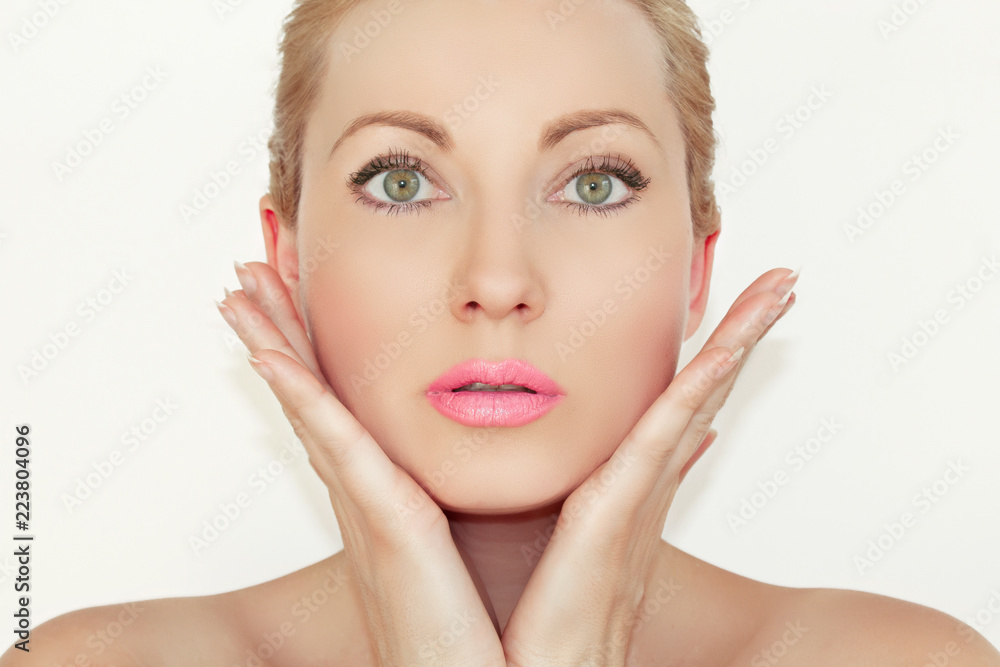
{"x": 168, "y": 631}
{"x": 707, "y": 615}
{"x": 312, "y": 612}
{"x": 826, "y": 626}
{"x": 290, "y": 620}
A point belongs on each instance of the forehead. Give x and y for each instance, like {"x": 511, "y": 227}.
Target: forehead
{"x": 495, "y": 71}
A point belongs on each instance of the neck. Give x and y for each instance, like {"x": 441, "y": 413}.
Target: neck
{"x": 501, "y": 551}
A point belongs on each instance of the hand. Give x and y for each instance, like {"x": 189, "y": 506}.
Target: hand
{"x": 415, "y": 587}
{"x": 580, "y": 603}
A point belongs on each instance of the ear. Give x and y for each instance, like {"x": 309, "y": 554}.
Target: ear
{"x": 703, "y": 256}
{"x": 282, "y": 249}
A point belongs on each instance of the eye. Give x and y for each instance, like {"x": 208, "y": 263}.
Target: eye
{"x": 602, "y": 186}
{"x": 596, "y": 188}
{"x": 399, "y": 186}
{"x": 395, "y": 181}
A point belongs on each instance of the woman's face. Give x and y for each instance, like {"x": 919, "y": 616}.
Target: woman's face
{"x": 495, "y": 262}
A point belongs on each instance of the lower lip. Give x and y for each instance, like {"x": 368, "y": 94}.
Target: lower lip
{"x": 492, "y": 408}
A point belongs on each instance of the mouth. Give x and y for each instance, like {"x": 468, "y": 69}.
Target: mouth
{"x": 479, "y": 386}
{"x": 477, "y": 392}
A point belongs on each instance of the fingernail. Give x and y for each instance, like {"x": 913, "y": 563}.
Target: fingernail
{"x": 786, "y": 285}
{"x": 227, "y": 313}
{"x": 247, "y": 281}
{"x": 776, "y": 309}
{"x": 729, "y": 363}
{"x": 262, "y": 368}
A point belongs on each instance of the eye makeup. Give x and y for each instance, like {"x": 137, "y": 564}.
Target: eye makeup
{"x": 400, "y": 160}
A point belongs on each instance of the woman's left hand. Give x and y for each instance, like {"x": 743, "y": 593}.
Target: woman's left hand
{"x": 581, "y": 601}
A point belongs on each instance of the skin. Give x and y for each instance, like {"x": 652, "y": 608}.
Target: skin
{"x": 516, "y": 291}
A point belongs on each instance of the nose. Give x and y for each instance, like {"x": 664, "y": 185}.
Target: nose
{"x": 497, "y": 269}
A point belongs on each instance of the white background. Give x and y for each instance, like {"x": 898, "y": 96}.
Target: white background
{"x": 161, "y": 337}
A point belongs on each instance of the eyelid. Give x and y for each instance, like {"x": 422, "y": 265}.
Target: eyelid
{"x": 619, "y": 167}
{"x": 436, "y": 189}
{"x": 394, "y": 159}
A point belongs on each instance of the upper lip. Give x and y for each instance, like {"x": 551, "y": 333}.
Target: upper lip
{"x": 508, "y": 371}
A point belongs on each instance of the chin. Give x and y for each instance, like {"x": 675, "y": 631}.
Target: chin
{"x": 507, "y": 484}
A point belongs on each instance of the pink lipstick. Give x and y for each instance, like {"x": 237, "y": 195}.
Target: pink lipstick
{"x": 484, "y": 393}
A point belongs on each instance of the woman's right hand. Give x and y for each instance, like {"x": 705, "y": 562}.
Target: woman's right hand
{"x": 421, "y": 604}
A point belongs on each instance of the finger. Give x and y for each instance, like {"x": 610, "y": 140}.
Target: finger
{"x": 705, "y": 444}
{"x": 265, "y": 289}
{"x": 678, "y": 421}
{"x": 770, "y": 281}
{"x": 753, "y": 312}
{"x": 702, "y": 420}
{"x": 788, "y": 306}
{"x": 254, "y": 328}
{"x": 657, "y": 437}
{"x": 346, "y": 455}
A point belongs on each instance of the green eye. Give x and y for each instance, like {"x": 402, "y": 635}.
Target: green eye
{"x": 401, "y": 184}
{"x": 594, "y": 188}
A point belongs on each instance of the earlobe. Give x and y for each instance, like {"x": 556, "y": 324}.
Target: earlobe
{"x": 702, "y": 259}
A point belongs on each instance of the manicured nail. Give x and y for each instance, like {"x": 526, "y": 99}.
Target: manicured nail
{"x": 227, "y": 314}
{"x": 786, "y": 285}
{"x": 776, "y": 309}
{"x": 247, "y": 281}
{"x": 729, "y": 363}
{"x": 262, "y": 368}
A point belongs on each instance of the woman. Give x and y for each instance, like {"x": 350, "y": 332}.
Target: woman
{"x": 484, "y": 375}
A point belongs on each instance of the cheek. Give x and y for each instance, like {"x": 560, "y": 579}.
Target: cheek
{"x": 358, "y": 305}
{"x": 631, "y": 356}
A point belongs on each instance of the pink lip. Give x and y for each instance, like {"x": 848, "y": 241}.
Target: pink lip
{"x": 500, "y": 408}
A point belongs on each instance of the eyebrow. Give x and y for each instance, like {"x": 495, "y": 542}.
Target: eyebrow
{"x": 553, "y": 132}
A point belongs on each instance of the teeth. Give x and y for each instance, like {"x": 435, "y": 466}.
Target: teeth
{"x": 479, "y": 386}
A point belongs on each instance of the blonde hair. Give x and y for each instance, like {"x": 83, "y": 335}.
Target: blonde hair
{"x": 304, "y": 61}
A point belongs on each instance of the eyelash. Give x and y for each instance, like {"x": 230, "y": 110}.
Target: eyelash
{"x": 616, "y": 166}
